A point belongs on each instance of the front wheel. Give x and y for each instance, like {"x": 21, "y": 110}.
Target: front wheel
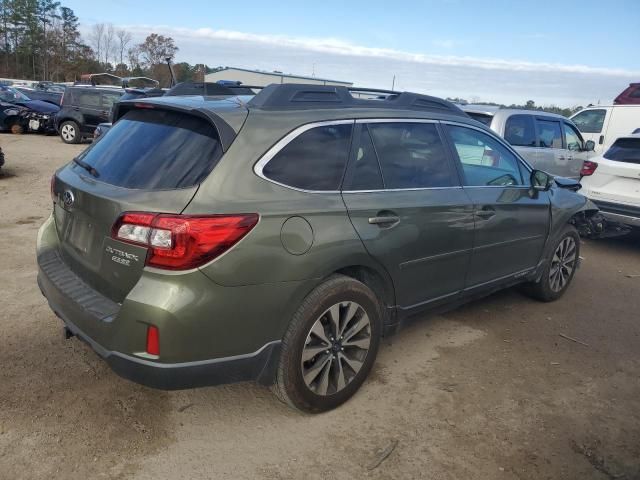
{"x": 559, "y": 271}
{"x": 69, "y": 132}
{"x": 330, "y": 345}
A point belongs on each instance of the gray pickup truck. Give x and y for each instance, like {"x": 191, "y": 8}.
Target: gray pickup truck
{"x": 549, "y": 142}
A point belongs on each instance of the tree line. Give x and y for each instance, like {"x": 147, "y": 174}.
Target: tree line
{"x": 41, "y": 40}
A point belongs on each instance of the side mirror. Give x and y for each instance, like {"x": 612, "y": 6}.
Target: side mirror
{"x": 541, "y": 181}
{"x": 590, "y": 146}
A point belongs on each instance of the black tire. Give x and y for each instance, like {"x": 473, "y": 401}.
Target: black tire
{"x": 70, "y": 132}
{"x": 545, "y": 289}
{"x": 290, "y": 385}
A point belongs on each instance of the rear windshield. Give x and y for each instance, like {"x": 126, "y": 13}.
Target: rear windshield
{"x": 481, "y": 117}
{"x": 155, "y": 150}
{"x": 625, "y": 150}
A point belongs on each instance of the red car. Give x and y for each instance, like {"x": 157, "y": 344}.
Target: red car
{"x": 630, "y": 96}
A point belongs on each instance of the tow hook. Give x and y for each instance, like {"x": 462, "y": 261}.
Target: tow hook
{"x": 67, "y": 333}
{"x": 597, "y": 226}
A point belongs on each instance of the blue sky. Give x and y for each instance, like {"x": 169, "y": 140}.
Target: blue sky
{"x": 562, "y": 52}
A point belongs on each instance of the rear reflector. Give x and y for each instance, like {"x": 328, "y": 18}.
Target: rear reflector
{"x": 153, "y": 340}
{"x": 588, "y": 168}
{"x": 181, "y": 242}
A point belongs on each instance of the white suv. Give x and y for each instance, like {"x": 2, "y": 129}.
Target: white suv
{"x": 612, "y": 180}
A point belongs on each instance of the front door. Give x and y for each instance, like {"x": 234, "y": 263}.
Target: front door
{"x": 552, "y": 155}
{"x": 405, "y": 201}
{"x": 511, "y": 224}
{"x": 591, "y": 123}
{"x": 90, "y": 105}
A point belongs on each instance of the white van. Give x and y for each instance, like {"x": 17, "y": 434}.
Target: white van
{"x": 604, "y": 124}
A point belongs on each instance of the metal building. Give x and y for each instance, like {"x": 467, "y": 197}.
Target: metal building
{"x": 261, "y": 78}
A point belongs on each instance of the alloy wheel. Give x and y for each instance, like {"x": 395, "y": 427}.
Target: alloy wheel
{"x": 562, "y": 264}
{"x": 336, "y": 348}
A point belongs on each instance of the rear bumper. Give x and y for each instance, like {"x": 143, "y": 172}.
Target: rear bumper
{"x": 627, "y": 214}
{"x": 74, "y": 302}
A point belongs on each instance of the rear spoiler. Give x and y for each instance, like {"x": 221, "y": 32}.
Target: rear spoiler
{"x": 225, "y": 132}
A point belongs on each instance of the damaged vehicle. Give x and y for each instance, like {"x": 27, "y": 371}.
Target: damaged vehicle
{"x": 20, "y": 114}
{"x": 277, "y": 237}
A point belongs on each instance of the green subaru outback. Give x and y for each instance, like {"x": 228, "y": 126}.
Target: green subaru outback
{"x": 277, "y": 237}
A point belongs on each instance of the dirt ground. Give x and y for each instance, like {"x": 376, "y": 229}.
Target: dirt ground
{"x": 488, "y": 391}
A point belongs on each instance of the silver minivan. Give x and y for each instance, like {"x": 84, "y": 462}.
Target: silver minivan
{"x": 547, "y": 141}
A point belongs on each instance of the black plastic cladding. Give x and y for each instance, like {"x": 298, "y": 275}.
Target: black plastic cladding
{"x": 302, "y": 96}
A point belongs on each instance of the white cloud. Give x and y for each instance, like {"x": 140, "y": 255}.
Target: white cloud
{"x": 503, "y": 80}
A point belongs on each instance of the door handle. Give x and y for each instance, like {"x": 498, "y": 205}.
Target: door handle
{"x": 77, "y": 109}
{"x": 601, "y": 141}
{"x": 384, "y": 221}
{"x": 486, "y": 212}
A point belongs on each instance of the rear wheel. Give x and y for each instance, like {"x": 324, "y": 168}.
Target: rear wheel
{"x": 69, "y": 132}
{"x": 330, "y": 345}
{"x": 561, "y": 268}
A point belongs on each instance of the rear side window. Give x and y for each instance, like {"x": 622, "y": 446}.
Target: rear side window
{"x": 520, "y": 131}
{"x": 625, "y": 150}
{"x": 89, "y": 99}
{"x": 314, "y": 160}
{"x": 481, "y": 117}
{"x": 590, "y": 121}
{"x": 549, "y": 134}
{"x": 108, "y": 99}
{"x": 155, "y": 150}
{"x": 412, "y": 155}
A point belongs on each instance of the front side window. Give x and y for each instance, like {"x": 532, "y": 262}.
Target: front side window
{"x": 108, "y": 99}
{"x": 590, "y": 121}
{"x": 572, "y": 138}
{"x": 485, "y": 161}
{"x": 549, "y": 134}
{"x": 625, "y": 150}
{"x": 314, "y": 160}
{"x": 412, "y": 155}
{"x": 520, "y": 131}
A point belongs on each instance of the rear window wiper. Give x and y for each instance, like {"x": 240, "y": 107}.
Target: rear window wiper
{"x": 87, "y": 167}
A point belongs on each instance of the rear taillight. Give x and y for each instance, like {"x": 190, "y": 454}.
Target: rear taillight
{"x": 180, "y": 242}
{"x": 52, "y": 186}
{"x": 588, "y": 168}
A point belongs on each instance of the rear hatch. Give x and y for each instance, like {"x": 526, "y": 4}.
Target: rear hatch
{"x": 617, "y": 177}
{"x": 152, "y": 160}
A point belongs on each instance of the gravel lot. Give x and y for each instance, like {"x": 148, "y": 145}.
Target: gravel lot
{"x": 488, "y": 391}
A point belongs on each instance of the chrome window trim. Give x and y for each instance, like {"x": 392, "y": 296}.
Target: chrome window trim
{"x": 395, "y": 120}
{"x": 414, "y": 189}
{"x": 258, "y": 168}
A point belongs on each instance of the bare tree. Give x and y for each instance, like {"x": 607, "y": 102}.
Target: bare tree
{"x": 109, "y": 42}
{"x": 124, "y": 38}
{"x": 96, "y": 38}
{"x": 133, "y": 55}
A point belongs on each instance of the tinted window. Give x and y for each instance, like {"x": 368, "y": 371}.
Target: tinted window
{"x": 635, "y": 93}
{"x": 549, "y": 134}
{"x": 520, "y": 131}
{"x": 365, "y": 172}
{"x": 625, "y": 150}
{"x": 590, "y": 121}
{"x": 314, "y": 160}
{"x": 108, "y": 99}
{"x": 572, "y": 138}
{"x": 154, "y": 149}
{"x": 412, "y": 155}
{"x": 484, "y": 160}
{"x": 89, "y": 99}
{"x": 481, "y": 117}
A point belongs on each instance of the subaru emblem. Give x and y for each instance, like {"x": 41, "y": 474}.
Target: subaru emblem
{"x": 68, "y": 198}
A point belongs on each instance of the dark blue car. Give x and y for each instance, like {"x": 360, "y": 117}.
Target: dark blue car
{"x": 19, "y": 113}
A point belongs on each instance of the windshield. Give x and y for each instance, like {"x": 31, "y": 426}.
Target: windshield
{"x": 625, "y": 150}
{"x": 155, "y": 149}
{"x": 11, "y": 95}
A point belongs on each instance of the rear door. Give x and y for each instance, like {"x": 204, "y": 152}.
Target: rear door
{"x": 89, "y": 104}
{"x": 405, "y": 201}
{"x": 108, "y": 100}
{"x": 592, "y": 124}
{"x": 151, "y": 161}
{"x": 511, "y": 224}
